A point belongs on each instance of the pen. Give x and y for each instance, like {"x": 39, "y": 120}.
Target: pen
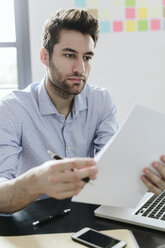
{"x": 55, "y": 156}
{"x": 46, "y": 219}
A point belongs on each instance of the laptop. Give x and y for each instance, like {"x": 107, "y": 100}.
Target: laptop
{"x": 149, "y": 213}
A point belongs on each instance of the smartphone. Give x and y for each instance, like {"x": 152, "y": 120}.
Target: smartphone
{"x": 93, "y": 238}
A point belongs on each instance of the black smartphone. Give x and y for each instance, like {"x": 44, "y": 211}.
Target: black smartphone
{"x": 93, "y": 238}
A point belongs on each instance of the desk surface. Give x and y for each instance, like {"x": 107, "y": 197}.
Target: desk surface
{"x": 81, "y": 215}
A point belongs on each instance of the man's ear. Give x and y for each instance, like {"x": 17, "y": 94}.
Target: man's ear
{"x": 44, "y": 56}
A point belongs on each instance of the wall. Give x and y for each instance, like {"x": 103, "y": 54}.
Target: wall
{"x": 131, "y": 65}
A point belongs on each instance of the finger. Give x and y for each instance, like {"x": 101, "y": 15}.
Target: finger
{"x": 155, "y": 179}
{"x": 73, "y": 176}
{"x": 67, "y": 186}
{"x": 163, "y": 158}
{"x": 65, "y": 190}
{"x": 160, "y": 168}
{"x": 151, "y": 187}
{"x": 68, "y": 164}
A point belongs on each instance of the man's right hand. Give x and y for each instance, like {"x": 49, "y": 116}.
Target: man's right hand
{"x": 63, "y": 178}
{"x": 59, "y": 179}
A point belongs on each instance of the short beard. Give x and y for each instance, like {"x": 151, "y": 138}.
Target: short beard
{"x": 59, "y": 83}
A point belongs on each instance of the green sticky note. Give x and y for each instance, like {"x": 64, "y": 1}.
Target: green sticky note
{"x": 130, "y": 3}
{"x": 142, "y": 25}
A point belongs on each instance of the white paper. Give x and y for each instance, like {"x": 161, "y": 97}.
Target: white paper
{"x": 140, "y": 141}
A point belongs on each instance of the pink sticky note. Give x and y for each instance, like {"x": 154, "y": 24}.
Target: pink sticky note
{"x": 117, "y": 26}
{"x": 163, "y": 1}
{"x": 130, "y": 13}
{"x": 155, "y": 24}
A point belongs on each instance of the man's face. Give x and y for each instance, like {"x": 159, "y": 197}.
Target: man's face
{"x": 70, "y": 64}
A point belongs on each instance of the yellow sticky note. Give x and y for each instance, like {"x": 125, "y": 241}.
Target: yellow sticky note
{"x": 92, "y": 3}
{"x": 104, "y": 14}
{"x": 143, "y": 13}
{"x": 130, "y": 26}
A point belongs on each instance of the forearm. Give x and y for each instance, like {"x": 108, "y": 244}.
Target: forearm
{"x": 17, "y": 193}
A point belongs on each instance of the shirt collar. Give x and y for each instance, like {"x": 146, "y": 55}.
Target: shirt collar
{"x": 46, "y": 106}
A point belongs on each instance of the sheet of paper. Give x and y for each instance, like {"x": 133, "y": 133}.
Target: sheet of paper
{"x": 140, "y": 141}
{"x": 59, "y": 240}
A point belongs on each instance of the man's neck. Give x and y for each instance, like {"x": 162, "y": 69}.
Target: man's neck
{"x": 61, "y": 101}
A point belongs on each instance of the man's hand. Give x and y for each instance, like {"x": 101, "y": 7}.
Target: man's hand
{"x": 155, "y": 182}
{"x": 59, "y": 179}
{"x": 63, "y": 178}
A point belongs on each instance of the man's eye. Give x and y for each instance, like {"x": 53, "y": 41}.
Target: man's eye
{"x": 68, "y": 55}
{"x": 87, "y": 58}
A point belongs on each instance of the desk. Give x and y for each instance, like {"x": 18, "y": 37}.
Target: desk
{"x": 81, "y": 215}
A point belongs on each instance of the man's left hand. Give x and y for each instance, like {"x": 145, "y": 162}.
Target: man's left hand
{"x": 155, "y": 182}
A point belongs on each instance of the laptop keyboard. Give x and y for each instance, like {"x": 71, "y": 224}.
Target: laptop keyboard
{"x": 154, "y": 207}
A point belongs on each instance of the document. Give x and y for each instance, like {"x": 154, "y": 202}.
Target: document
{"x": 140, "y": 141}
{"x": 60, "y": 240}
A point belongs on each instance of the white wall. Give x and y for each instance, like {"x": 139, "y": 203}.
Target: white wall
{"x": 130, "y": 65}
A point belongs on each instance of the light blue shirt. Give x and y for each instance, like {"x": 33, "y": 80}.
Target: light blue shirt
{"x": 30, "y": 125}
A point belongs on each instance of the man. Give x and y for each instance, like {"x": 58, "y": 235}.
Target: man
{"x": 62, "y": 113}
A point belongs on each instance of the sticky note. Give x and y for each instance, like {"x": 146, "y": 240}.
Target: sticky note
{"x": 130, "y": 3}
{"x": 92, "y": 3}
{"x": 104, "y": 27}
{"x": 130, "y": 26}
{"x": 142, "y": 13}
{"x": 163, "y": 2}
{"x": 155, "y": 25}
{"x": 117, "y": 26}
{"x": 104, "y": 14}
{"x": 155, "y": 12}
{"x": 163, "y": 25}
{"x": 80, "y": 3}
{"x": 142, "y": 3}
{"x": 142, "y": 25}
{"x": 130, "y": 13}
{"x": 117, "y": 3}
{"x": 93, "y": 12}
{"x": 164, "y": 12}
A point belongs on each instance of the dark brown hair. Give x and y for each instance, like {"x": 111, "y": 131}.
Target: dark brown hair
{"x": 72, "y": 19}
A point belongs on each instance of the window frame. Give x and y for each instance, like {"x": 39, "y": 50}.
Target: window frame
{"x": 22, "y": 44}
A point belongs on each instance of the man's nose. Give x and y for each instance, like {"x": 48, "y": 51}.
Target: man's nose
{"x": 79, "y": 66}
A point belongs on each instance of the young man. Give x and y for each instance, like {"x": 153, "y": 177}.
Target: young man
{"x": 62, "y": 113}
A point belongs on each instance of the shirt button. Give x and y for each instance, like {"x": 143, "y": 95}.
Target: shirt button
{"x": 69, "y": 148}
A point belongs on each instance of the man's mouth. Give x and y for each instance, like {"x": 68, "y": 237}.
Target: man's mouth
{"x": 76, "y": 79}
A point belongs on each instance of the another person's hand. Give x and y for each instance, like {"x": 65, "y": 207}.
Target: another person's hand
{"x": 155, "y": 182}
{"x": 63, "y": 178}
